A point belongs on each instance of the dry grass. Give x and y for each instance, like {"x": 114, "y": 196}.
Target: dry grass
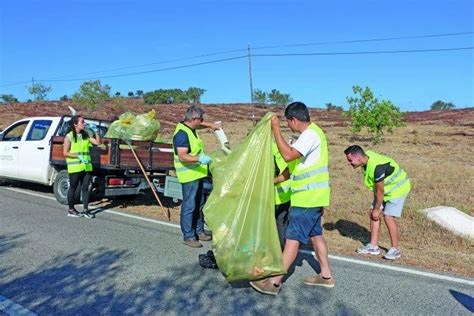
{"x": 438, "y": 160}
{"x": 436, "y": 152}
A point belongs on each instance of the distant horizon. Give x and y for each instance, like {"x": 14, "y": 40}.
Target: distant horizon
{"x": 229, "y": 103}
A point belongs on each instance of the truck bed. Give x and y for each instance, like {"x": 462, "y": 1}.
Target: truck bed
{"x": 115, "y": 154}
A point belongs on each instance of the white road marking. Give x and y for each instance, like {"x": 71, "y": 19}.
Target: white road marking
{"x": 350, "y": 260}
{"x": 11, "y": 308}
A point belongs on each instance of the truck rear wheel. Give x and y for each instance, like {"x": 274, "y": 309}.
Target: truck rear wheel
{"x": 61, "y": 187}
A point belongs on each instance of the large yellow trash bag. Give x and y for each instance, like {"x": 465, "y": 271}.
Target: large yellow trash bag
{"x": 143, "y": 127}
{"x": 119, "y": 128}
{"x": 240, "y": 210}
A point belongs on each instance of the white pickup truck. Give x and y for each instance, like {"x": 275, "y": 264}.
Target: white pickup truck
{"x": 31, "y": 151}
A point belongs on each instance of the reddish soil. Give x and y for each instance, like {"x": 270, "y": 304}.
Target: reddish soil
{"x": 169, "y": 114}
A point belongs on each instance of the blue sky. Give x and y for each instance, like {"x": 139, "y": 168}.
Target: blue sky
{"x": 51, "y": 39}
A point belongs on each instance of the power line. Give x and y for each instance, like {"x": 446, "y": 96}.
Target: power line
{"x": 154, "y": 63}
{"x": 273, "y": 55}
{"x": 150, "y": 71}
{"x": 256, "y": 55}
{"x": 366, "y": 40}
{"x": 366, "y": 52}
{"x": 257, "y": 47}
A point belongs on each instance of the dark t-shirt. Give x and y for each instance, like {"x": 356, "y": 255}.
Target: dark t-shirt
{"x": 382, "y": 172}
{"x": 181, "y": 140}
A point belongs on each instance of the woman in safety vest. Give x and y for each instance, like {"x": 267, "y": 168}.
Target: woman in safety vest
{"x": 79, "y": 164}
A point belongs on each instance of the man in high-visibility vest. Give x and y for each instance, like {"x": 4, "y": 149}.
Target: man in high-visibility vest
{"x": 310, "y": 193}
{"x": 390, "y": 185}
{"x": 191, "y": 163}
{"x": 282, "y": 192}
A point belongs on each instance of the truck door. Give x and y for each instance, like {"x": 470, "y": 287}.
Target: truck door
{"x": 34, "y": 152}
{"x": 10, "y": 143}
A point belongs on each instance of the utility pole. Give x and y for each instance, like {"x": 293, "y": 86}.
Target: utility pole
{"x": 251, "y": 85}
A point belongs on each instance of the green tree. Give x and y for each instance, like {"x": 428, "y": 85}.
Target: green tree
{"x": 378, "y": 116}
{"x": 277, "y": 98}
{"x": 260, "y": 96}
{"x": 39, "y": 91}
{"x": 117, "y": 94}
{"x": 64, "y": 98}
{"x": 168, "y": 96}
{"x": 130, "y": 94}
{"x": 194, "y": 94}
{"x": 332, "y": 107}
{"x": 91, "y": 94}
{"x": 139, "y": 93}
{"x": 441, "y": 105}
{"x": 8, "y": 98}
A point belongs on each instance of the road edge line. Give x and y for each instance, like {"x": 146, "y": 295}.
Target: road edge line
{"x": 355, "y": 261}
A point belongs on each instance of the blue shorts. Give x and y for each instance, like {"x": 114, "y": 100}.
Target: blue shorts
{"x": 304, "y": 223}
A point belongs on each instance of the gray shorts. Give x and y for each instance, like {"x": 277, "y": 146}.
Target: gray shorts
{"x": 393, "y": 207}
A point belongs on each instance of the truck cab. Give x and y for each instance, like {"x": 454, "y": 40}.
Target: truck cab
{"x": 25, "y": 148}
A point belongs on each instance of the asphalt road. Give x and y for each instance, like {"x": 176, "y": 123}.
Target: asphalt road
{"x": 53, "y": 264}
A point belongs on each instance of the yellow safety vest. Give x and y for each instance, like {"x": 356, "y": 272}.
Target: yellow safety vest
{"x": 81, "y": 147}
{"x": 189, "y": 171}
{"x": 310, "y": 185}
{"x": 282, "y": 189}
{"x": 395, "y": 185}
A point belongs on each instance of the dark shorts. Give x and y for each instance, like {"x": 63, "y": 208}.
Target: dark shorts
{"x": 304, "y": 223}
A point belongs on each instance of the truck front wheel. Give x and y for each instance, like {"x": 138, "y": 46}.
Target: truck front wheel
{"x": 61, "y": 187}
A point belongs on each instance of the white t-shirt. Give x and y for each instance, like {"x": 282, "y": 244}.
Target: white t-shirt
{"x": 309, "y": 146}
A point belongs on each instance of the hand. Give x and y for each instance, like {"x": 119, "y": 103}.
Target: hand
{"x": 375, "y": 214}
{"x": 204, "y": 160}
{"x": 275, "y": 122}
{"x": 83, "y": 159}
{"x": 214, "y": 126}
{"x": 92, "y": 127}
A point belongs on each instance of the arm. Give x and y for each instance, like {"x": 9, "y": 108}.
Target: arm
{"x": 287, "y": 152}
{"x": 67, "y": 147}
{"x": 285, "y": 175}
{"x": 379, "y": 192}
{"x": 184, "y": 156}
{"x": 209, "y": 125}
{"x": 95, "y": 140}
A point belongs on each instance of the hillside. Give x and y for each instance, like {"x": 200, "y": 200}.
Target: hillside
{"x": 169, "y": 114}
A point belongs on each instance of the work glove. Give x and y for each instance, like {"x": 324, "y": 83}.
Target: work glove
{"x": 83, "y": 159}
{"x": 204, "y": 160}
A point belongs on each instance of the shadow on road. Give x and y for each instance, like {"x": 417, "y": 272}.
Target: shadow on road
{"x": 350, "y": 229}
{"x": 94, "y": 283}
{"x": 466, "y": 300}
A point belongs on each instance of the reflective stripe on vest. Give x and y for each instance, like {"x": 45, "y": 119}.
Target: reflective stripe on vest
{"x": 396, "y": 185}
{"x": 187, "y": 172}
{"x": 80, "y": 147}
{"x": 310, "y": 185}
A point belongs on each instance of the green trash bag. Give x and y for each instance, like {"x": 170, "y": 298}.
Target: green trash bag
{"x": 143, "y": 127}
{"x": 240, "y": 210}
{"x": 119, "y": 128}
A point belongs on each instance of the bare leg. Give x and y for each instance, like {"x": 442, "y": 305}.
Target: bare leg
{"x": 392, "y": 230}
{"x": 374, "y": 232}
{"x": 320, "y": 247}
{"x": 289, "y": 255}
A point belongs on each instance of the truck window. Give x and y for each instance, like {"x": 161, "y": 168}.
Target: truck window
{"x": 15, "y": 132}
{"x": 39, "y": 129}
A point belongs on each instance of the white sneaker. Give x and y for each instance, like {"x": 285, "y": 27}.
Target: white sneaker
{"x": 392, "y": 254}
{"x": 369, "y": 249}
